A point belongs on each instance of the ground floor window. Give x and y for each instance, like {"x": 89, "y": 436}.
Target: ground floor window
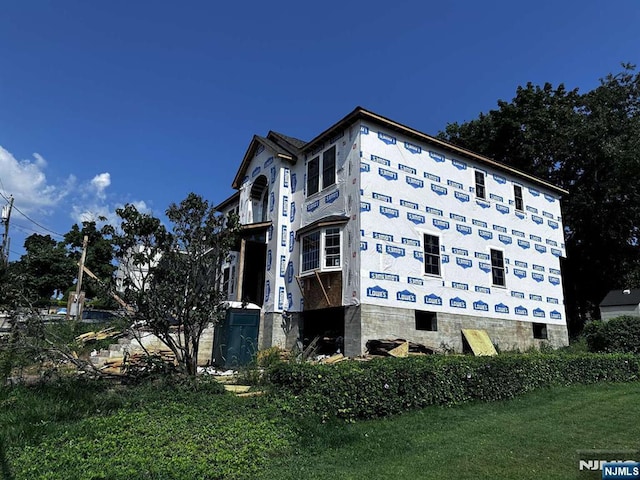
{"x": 431, "y": 254}
{"x": 321, "y": 250}
{"x": 540, "y": 331}
{"x": 427, "y": 321}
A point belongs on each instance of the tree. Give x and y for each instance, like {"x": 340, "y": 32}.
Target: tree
{"x": 589, "y": 145}
{"x": 45, "y": 269}
{"x": 174, "y": 279}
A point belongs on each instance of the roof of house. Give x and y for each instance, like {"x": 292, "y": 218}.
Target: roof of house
{"x": 282, "y": 147}
{"x": 620, "y": 297}
{"x": 296, "y": 148}
{"x": 228, "y": 201}
{"x": 295, "y": 142}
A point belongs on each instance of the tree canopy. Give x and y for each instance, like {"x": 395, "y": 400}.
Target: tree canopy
{"x": 174, "y": 278}
{"x": 587, "y": 143}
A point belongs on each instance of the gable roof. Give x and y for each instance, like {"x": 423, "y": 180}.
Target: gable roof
{"x": 294, "y": 142}
{"x": 284, "y": 152}
{"x": 295, "y": 148}
{"x": 619, "y": 297}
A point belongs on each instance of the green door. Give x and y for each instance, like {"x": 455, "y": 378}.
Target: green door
{"x": 236, "y": 338}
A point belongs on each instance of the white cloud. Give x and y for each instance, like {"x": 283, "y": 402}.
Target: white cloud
{"x": 99, "y": 183}
{"x": 48, "y": 204}
{"x": 27, "y": 182}
{"x": 94, "y": 211}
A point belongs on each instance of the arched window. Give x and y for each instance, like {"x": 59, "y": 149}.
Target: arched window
{"x": 260, "y": 199}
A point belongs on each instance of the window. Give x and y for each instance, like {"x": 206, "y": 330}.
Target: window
{"x": 329, "y": 167}
{"x": 427, "y": 321}
{"x": 332, "y": 247}
{"x": 497, "y": 268}
{"x": 313, "y": 176}
{"x": 517, "y": 197}
{"x": 311, "y": 251}
{"x": 324, "y": 174}
{"x": 540, "y": 331}
{"x": 480, "y": 190}
{"x": 431, "y": 255}
{"x": 321, "y": 250}
{"x": 225, "y": 281}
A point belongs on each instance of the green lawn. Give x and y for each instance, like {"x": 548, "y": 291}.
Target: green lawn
{"x": 98, "y": 432}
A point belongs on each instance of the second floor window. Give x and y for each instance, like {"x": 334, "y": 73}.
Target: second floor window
{"x": 480, "y": 190}
{"x": 321, "y": 173}
{"x": 517, "y": 197}
{"x": 497, "y": 268}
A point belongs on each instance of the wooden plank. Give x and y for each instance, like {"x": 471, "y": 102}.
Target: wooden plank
{"x": 400, "y": 351}
{"x": 326, "y": 297}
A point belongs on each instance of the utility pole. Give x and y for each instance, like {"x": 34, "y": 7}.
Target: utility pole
{"x": 78, "y": 300}
{"x": 6, "y": 216}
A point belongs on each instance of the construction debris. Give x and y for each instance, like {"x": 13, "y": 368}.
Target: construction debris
{"x": 119, "y": 365}
{"x": 101, "y": 335}
{"x": 398, "y": 346}
{"x": 338, "y": 357}
{"x": 400, "y": 351}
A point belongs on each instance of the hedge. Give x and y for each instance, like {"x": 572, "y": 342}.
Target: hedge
{"x": 387, "y": 386}
{"x": 618, "y": 335}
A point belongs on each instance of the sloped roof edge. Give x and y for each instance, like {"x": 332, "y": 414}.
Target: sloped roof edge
{"x": 618, "y": 297}
{"x": 360, "y": 113}
{"x": 279, "y": 150}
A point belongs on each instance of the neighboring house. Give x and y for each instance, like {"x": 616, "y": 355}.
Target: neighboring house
{"x": 375, "y": 230}
{"x": 620, "y": 302}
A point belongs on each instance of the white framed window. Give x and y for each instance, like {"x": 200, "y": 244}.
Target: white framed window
{"x": 497, "y": 268}
{"x": 481, "y": 191}
{"x": 321, "y": 250}
{"x": 321, "y": 173}
{"x": 517, "y": 197}
{"x": 431, "y": 245}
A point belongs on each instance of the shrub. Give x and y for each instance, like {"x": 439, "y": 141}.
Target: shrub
{"x": 618, "y": 335}
{"x": 387, "y": 386}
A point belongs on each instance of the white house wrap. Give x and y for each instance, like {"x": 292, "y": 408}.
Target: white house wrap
{"x": 404, "y": 225}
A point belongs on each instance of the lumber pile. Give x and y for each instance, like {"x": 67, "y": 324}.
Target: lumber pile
{"x": 397, "y": 348}
{"x": 136, "y": 361}
{"x": 338, "y": 357}
{"x": 101, "y": 335}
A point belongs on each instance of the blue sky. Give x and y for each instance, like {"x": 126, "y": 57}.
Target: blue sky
{"x": 104, "y": 103}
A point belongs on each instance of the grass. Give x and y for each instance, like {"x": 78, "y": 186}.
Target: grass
{"x": 95, "y": 431}
{"x": 532, "y": 437}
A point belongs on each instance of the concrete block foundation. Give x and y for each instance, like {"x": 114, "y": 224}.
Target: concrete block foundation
{"x": 367, "y": 322}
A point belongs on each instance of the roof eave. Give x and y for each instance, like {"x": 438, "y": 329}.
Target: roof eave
{"x": 360, "y": 113}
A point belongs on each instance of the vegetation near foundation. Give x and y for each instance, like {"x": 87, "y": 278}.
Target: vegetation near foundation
{"x": 173, "y": 427}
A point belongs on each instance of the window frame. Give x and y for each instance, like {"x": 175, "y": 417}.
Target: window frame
{"x": 498, "y": 268}
{"x": 540, "y": 331}
{"x": 326, "y": 175}
{"x": 313, "y": 181}
{"x": 518, "y": 197}
{"x": 481, "y": 184}
{"x": 431, "y": 255}
{"x": 329, "y": 156}
{"x": 426, "y": 321}
{"x": 335, "y": 232}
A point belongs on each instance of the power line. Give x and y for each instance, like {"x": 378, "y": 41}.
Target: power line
{"x": 36, "y": 223}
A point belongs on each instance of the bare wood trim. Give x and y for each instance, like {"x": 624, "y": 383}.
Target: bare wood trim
{"x": 240, "y": 270}
{"x": 326, "y": 297}
{"x": 300, "y": 287}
